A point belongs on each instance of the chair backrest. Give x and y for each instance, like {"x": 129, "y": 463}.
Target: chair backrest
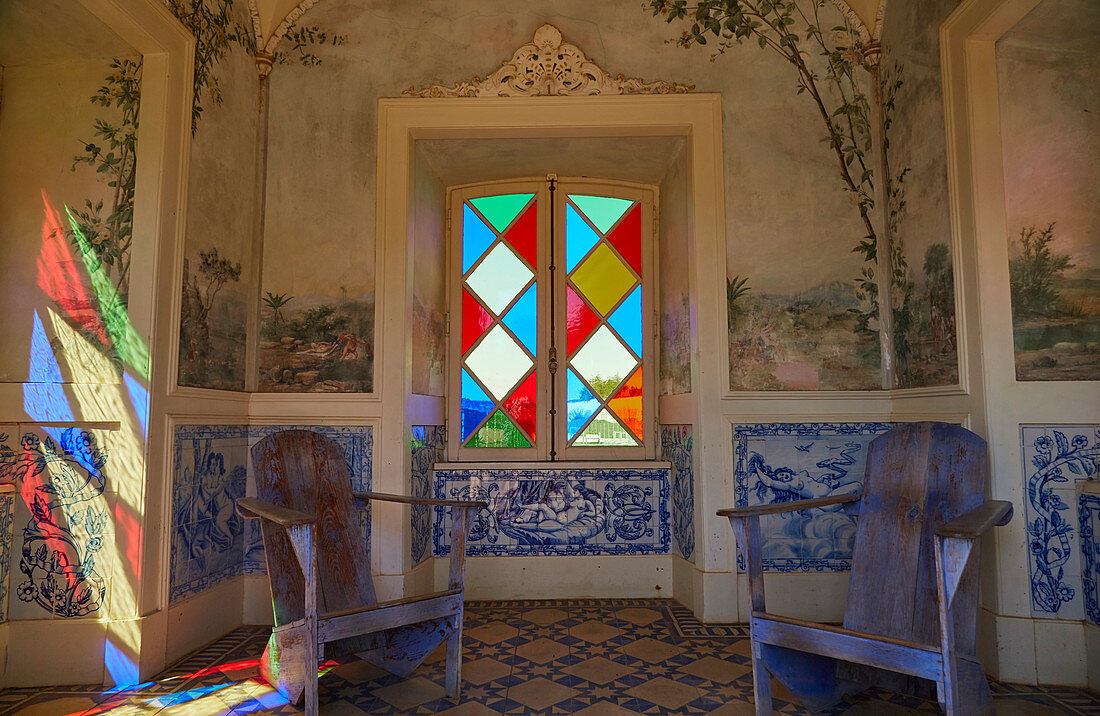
{"x": 919, "y": 475}
{"x": 306, "y": 471}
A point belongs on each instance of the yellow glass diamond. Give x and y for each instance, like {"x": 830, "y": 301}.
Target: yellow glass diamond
{"x": 603, "y": 279}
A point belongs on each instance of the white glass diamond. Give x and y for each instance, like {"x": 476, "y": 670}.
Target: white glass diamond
{"x": 499, "y": 278}
{"x": 603, "y": 357}
{"x": 498, "y": 362}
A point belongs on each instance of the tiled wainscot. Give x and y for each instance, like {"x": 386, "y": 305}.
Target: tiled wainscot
{"x": 211, "y": 544}
{"x": 427, "y": 447}
{"x": 570, "y": 511}
{"x": 1062, "y": 502}
{"x": 782, "y": 462}
{"x": 676, "y": 441}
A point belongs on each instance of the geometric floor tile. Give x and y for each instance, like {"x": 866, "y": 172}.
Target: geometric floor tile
{"x": 594, "y": 657}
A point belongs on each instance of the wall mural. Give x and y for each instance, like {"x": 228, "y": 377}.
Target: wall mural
{"x": 1050, "y": 118}
{"x": 61, "y": 479}
{"x": 676, "y": 448}
{"x": 326, "y": 347}
{"x": 429, "y": 339}
{"x": 429, "y": 443}
{"x": 782, "y": 462}
{"x": 1056, "y": 458}
{"x": 1089, "y": 513}
{"x": 556, "y": 512}
{"x": 7, "y": 524}
{"x": 675, "y": 353}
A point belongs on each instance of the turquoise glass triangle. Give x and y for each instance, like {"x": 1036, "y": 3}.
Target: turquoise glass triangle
{"x": 603, "y": 211}
{"x": 579, "y": 238}
{"x": 580, "y": 404}
{"x": 476, "y": 237}
{"x": 627, "y": 321}
{"x": 500, "y": 210}
{"x": 520, "y": 319}
{"x": 475, "y": 405}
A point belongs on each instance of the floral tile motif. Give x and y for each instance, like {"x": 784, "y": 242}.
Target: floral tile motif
{"x": 7, "y": 523}
{"x": 554, "y": 512}
{"x": 65, "y": 517}
{"x": 676, "y": 448}
{"x": 782, "y": 462}
{"x": 427, "y": 448}
{"x": 1055, "y": 458}
{"x": 1089, "y": 513}
{"x": 207, "y": 543}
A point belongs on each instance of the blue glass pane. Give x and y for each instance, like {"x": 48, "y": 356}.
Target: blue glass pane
{"x": 579, "y": 238}
{"x": 627, "y": 320}
{"x": 476, "y": 237}
{"x": 475, "y": 405}
{"x": 520, "y": 319}
{"x": 580, "y": 404}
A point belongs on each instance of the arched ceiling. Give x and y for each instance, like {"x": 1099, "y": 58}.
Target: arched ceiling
{"x": 271, "y": 18}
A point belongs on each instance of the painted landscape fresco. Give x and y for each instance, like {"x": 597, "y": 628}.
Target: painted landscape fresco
{"x": 800, "y": 340}
{"x": 316, "y": 344}
{"x": 1050, "y": 121}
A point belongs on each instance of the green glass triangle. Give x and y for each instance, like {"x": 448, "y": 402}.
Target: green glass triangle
{"x": 602, "y": 211}
{"x": 500, "y": 210}
{"x": 604, "y": 430}
{"x": 499, "y": 431}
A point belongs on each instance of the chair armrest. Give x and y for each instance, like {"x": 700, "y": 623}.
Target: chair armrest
{"x": 780, "y": 507}
{"x": 251, "y": 508}
{"x": 386, "y": 497}
{"x": 978, "y": 521}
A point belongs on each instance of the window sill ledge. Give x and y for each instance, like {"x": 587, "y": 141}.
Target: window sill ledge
{"x": 558, "y": 465}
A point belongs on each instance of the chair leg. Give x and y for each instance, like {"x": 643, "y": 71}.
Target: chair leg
{"x": 454, "y": 659}
{"x": 761, "y": 681}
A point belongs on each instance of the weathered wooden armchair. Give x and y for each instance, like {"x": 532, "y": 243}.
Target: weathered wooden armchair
{"x": 318, "y": 563}
{"x": 912, "y": 597}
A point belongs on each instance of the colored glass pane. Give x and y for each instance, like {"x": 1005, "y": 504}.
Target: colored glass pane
{"x": 606, "y": 431}
{"x": 499, "y": 432}
{"x": 475, "y": 319}
{"x": 602, "y": 211}
{"x": 579, "y": 320}
{"x": 627, "y": 403}
{"x": 627, "y": 238}
{"x": 579, "y": 238}
{"x": 627, "y": 320}
{"x": 523, "y": 235}
{"x": 475, "y": 405}
{"x": 520, "y": 318}
{"x": 604, "y": 361}
{"x": 500, "y": 210}
{"x": 476, "y": 237}
{"x": 498, "y": 278}
{"x": 603, "y": 279}
{"x": 521, "y": 405}
{"x": 498, "y": 362}
{"x": 580, "y": 404}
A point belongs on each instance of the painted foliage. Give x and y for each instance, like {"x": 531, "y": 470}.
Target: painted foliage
{"x": 1056, "y": 458}
{"x": 676, "y": 447}
{"x": 1050, "y": 120}
{"x": 1088, "y": 506}
{"x": 61, "y": 477}
{"x": 782, "y": 462}
{"x": 556, "y": 512}
{"x": 428, "y": 445}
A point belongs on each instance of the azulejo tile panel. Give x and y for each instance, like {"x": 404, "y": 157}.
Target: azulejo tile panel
{"x": 676, "y": 443}
{"x": 782, "y": 462}
{"x": 559, "y": 512}
{"x": 1089, "y": 513}
{"x": 1055, "y": 459}
{"x": 63, "y": 507}
{"x": 7, "y": 523}
{"x": 210, "y": 472}
{"x": 427, "y": 448}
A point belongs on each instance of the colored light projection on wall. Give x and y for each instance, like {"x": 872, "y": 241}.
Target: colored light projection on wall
{"x": 83, "y": 486}
{"x": 499, "y": 300}
{"x": 604, "y": 383}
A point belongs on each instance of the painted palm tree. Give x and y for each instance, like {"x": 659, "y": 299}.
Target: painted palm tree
{"x": 276, "y": 302}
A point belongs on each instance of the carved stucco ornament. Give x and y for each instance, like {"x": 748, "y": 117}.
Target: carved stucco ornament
{"x": 548, "y": 66}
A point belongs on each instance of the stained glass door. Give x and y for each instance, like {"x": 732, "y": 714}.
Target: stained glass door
{"x": 499, "y": 322}
{"x": 604, "y": 287}
{"x": 551, "y": 349}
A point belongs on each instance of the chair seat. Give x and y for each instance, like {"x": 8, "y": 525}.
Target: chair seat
{"x": 386, "y": 615}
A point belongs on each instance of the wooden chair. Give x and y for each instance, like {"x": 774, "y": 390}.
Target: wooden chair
{"x": 318, "y": 563}
{"x": 913, "y": 592}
